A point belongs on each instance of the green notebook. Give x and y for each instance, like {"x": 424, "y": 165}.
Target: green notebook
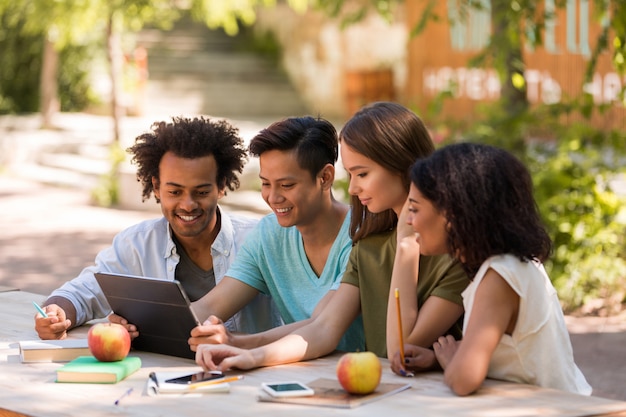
{"x": 88, "y": 369}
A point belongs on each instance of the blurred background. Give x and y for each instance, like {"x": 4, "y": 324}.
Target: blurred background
{"x": 80, "y": 79}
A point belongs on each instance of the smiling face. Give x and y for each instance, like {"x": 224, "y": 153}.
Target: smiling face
{"x": 188, "y": 192}
{"x": 288, "y": 189}
{"x": 377, "y": 188}
{"x": 428, "y": 222}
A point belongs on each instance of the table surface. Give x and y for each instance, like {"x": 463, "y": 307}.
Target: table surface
{"x": 30, "y": 388}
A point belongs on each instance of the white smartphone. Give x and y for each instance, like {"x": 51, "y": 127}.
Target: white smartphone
{"x": 287, "y": 389}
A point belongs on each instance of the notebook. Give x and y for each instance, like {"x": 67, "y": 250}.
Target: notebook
{"x": 159, "y": 308}
{"x": 328, "y": 393}
{"x": 157, "y": 385}
{"x": 53, "y": 350}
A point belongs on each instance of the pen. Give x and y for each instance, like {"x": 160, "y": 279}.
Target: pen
{"x": 40, "y": 310}
{"x": 154, "y": 379}
{"x": 127, "y": 393}
{"x": 215, "y": 382}
{"x": 400, "y": 335}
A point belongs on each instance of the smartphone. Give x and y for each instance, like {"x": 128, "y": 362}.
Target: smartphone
{"x": 287, "y": 389}
{"x": 196, "y": 377}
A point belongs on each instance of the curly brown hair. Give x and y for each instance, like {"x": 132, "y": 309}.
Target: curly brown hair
{"x": 190, "y": 138}
{"x": 486, "y": 195}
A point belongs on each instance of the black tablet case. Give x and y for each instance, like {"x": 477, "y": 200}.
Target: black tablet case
{"x": 159, "y": 308}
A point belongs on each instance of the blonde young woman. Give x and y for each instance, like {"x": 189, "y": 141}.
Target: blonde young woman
{"x": 378, "y": 145}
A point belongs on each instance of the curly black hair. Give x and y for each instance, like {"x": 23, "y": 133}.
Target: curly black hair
{"x": 190, "y": 138}
{"x": 486, "y": 194}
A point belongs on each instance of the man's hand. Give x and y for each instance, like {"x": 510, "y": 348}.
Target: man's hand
{"x": 132, "y": 329}
{"x": 223, "y": 358}
{"x": 212, "y": 331}
{"x": 55, "y": 326}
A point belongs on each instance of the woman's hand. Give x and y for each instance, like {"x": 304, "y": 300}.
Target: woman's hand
{"x": 445, "y": 347}
{"x": 224, "y": 357}
{"x": 416, "y": 359}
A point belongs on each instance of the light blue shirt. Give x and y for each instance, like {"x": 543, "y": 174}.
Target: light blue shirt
{"x": 273, "y": 261}
{"x": 147, "y": 249}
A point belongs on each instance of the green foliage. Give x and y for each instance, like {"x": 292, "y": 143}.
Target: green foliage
{"x": 584, "y": 215}
{"x": 22, "y": 45}
{"x": 19, "y": 72}
{"x": 573, "y": 166}
{"x": 75, "y": 92}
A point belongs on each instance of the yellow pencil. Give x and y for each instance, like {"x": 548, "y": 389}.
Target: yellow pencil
{"x": 215, "y": 382}
{"x": 401, "y": 337}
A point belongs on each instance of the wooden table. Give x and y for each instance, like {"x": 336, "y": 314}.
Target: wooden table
{"x": 29, "y": 389}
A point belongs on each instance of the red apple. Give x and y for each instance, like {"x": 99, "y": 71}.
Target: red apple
{"x": 108, "y": 342}
{"x": 359, "y": 372}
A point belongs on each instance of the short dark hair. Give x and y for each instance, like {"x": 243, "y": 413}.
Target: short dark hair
{"x": 486, "y": 195}
{"x": 190, "y": 138}
{"x": 313, "y": 139}
{"x": 392, "y": 136}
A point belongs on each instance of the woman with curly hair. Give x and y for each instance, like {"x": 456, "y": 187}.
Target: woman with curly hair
{"x": 475, "y": 202}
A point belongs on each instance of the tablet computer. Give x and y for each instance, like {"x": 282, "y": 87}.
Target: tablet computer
{"x": 159, "y": 308}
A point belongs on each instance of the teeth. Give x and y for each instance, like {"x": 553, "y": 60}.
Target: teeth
{"x": 187, "y": 218}
{"x": 282, "y": 210}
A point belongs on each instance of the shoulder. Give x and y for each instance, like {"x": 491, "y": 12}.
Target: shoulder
{"x": 519, "y": 274}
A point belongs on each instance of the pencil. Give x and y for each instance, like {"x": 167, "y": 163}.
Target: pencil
{"x": 400, "y": 336}
{"x": 215, "y": 382}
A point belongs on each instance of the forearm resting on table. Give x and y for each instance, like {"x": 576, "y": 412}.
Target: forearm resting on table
{"x": 293, "y": 348}
{"x": 251, "y": 341}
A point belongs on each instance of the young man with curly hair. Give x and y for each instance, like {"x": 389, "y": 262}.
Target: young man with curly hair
{"x": 187, "y": 164}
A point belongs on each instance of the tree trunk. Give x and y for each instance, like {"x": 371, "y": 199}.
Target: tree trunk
{"x": 508, "y": 32}
{"x": 49, "y": 103}
{"x": 114, "y": 53}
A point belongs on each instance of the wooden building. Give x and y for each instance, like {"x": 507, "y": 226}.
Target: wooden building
{"x": 438, "y": 62}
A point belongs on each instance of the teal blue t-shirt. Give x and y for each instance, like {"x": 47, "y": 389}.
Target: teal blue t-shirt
{"x": 273, "y": 260}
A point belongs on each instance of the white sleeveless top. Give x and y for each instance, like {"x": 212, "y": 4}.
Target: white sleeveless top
{"x": 539, "y": 352}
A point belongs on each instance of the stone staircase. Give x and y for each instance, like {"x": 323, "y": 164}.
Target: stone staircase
{"x": 197, "y": 70}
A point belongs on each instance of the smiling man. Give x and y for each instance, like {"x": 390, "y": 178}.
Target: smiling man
{"x": 188, "y": 165}
{"x": 298, "y": 253}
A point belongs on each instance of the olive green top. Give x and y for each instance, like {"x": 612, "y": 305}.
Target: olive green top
{"x": 370, "y": 267}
